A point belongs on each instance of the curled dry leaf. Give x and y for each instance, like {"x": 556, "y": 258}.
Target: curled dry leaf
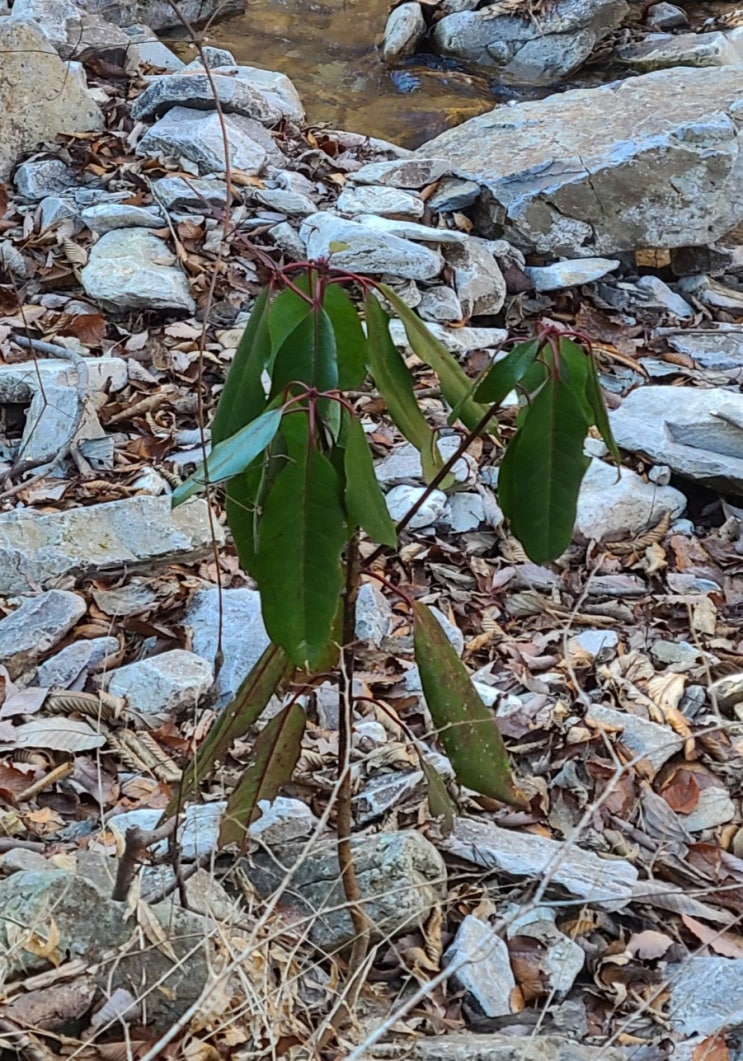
{"x": 59, "y": 735}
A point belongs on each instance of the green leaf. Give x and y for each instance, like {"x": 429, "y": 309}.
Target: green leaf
{"x": 456, "y": 385}
{"x": 243, "y": 397}
{"x": 395, "y": 384}
{"x": 266, "y": 677}
{"x": 307, "y": 354}
{"x": 365, "y": 503}
{"x": 297, "y": 567}
{"x": 542, "y": 470}
{"x": 440, "y": 803}
{"x": 275, "y": 755}
{"x": 287, "y": 311}
{"x": 232, "y": 456}
{"x": 464, "y": 725}
{"x": 350, "y": 340}
{"x": 507, "y": 373}
{"x": 600, "y": 416}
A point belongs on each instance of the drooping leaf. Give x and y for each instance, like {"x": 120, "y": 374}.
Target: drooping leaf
{"x": 298, "y": 564}
{"x": 286, "y": 312}
{"x": 456, "y": 385}
{"x": 364, "y": 500}
{"x": 232, "y": 456}
{"x": 243, "y": 397}
{"x": 542, "y": 470}
{"x": 507, "y": 373}
{"x": 265, "y": 678}
{"x": 600, "y": 416}
{"x": 350, "y": 340}
{"x": 275, "y": 755}
{"x": 395, "y": 384}
{"x": 307, "y": 354}
{"x": 464, "y": 725}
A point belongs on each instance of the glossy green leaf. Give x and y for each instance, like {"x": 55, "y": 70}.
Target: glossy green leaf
{"x": 266, "y": 677}
{"x": 456, "y": 385}
{"x": 395, "y": 384}
{"x": 350, "y": 340}
{"x": 243, "y": 397}
{"x": 274, "y": 757}
{"x": 232, "y": 456}
{"x": 542, "y": 470}
{"x": 365, "y": 502}
{"x": 287, "y": 310}
{"x": 298, "y": 564}
{"x": 600, "y": 416}
{"x": 307, "y": 355}
{"x": 465, "y": 727}
{"x": 507, "y": 373}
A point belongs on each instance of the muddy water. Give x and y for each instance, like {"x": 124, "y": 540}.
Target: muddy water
{"x": 328, "y": 48}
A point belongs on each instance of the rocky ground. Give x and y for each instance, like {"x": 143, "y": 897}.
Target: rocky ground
{"x": 603, "y": 921}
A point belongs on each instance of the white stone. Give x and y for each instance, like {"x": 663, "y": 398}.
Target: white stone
{"x": 570, "y": 273}
{"x": 439, "y": 304}
{"x": 197, "y": 136}
{"x": 646, "y": 740}
{"x": 130, "y": 268}
{"x": 361, "y": 249}
{"x": 379, "y": 199}
{"x": 403, "y": 465}
{"x": 482, "y": 966}
{"x": 373, "y": 615}
{"x": 171, "y": 683}
{"x": 478, "y": 281}
{"x": 614, "y": 503}
{"x": 282, "y": 820}
{"x": 36, "y": 626}
{"x": 467, "y": 512}
{"x": 706, "y": 995}
{"x": 455, "y": 340}
{"x": 244, "y": 636}
{"x": 401, "y": 499}
{"x": 599, "y": 645}
{"x": 69, "y": 668}
{"x": 402, "y": 34}
{"x": 103, "y": 217}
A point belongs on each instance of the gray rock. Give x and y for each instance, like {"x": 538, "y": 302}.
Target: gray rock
{"x": 410, "y": 173}
{"x": 367, "y": 251}
{"x": 244, "y": 636}
{"x": 169, "y": 684}
{"x": 19, "y": 382}
{"x": 36, "y": 626}
{"x": 571, "y": 273}
{"x": 403, "y": 465}
{"x": 75, "y": 33}
{"x": 483, "y": 966}
{"x": 411, "y": 230}
{"x": 282, "y": 821}
{"x": 718, "y": 347}
{"x": 453, "y": 194}
{"x": 645, "y": 739}
{"x": 653, "y": 297}
{"x": 500, "y": 1046}
{"x": 614, "y": 503}
{"x": 38, "y": 178}
{"x": 197, "y": 136}
{"x": 666, "y": 16}
{"x": 107, "y": 216}
{"x": 679, "y": 654}
{"x": 160, "y": 14}
{"x": 373, "y": 615}
{"x": 659, "y": 51}
{"x": 402, "y": 498}
{"x": 287, "y": 239}
{"x": 283, "y": 200}
{"x": 403, "y": 33}
{"x": 51, "y": 422}
{"x": 130, "y": 269}
{"x": 237, "y": 93}
{"x": 196, "y": 837}
{"x": 39, "y": 95}
{"x": 467, "y": 512}
{"x": 700, "y": 437}
{"x": 455, "y": 340}
{"x": 524, "y": 52}
{"x": 599, "y": 645}
{"x": 69, "y": 668}
{"x": 383, "y": 793}
{"x": 706, "y": 995}
{"x": 712, "y": 293}
{"x": 714, "y": 807}
{"x": 91, "y": 927}
{"x": 196, "y": 193}
{"x": 54, "y": 208}
{"x": 379, "y": 199}
{"x": 564, "y": 959}
{"x": 145, "y": 49}
{"x": 651, "y": 161}
{"x": 439, "y": 304}
{"x": 478, "y": 280}
{"x": 36, "y": 549}
{"x": 401, "y": 876}
{"x": 212, "y": 58}
{"x": 608, "y": 882}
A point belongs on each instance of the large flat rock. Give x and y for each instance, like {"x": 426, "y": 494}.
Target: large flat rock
{"x": 651, "y": 161}
{"x": 40, "y": 96}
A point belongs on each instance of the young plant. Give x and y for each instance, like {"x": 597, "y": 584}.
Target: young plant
{"x": 300, "y": 486}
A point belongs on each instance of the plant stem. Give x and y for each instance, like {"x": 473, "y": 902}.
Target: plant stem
{"x": 345, "y": 730}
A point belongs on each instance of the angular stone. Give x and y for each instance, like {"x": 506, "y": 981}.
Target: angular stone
{"x": 244, "y": 636}
{"x": 652, "y": 161}
{"x": 54, "y": 208}
{"x": 365, "y": 250}
{"x": 439, "y": 304}
{"x": 402, "y": 498}
{"x": 608, "y": 882}
{"x": 196, "y": 193}
{"x": 599, "y": 645}
{"x": 411, "y": 230}
{"x": 706, "y": 995}
{"x": 36, "y": 549}
{"x": 401, "y": 876}
{"x": 571, "y": 273}
{"x": 379, "y": 199}
{"x": 410, "y": 173}
{"x": 160, "y": 14}
{"x": 645, "y": 739}
{"x": 69, "y": 668}
{"x": 41, "y": 177}
{"x": 659, "y": 51}
{"x": 478, "y": 280}
{"x": 196, "y": 837}
{"x": 236, "y": 94}
{"x": 130, "y": 268}
{"x": 383, "y": 793}
{"x": 197, "y": 136}
{"x": 107, "y": 216}
{"x": 169, "y": 684}
{"x": 36, "y": 626}
{"x": 39, "y": 94}
{"x": 75, "y": 33}
{"x": 564, "y": 958}
{"x": 714, "y": 807}
{"x": 699, "y": 436}
{"x": 90, "y": 926}
{"x": 647, "y": 299}
{"x": 529, "y": 51}
{"x": 467, "y": 512}
{"x": 402, "y": 34}
{"x": 283, "y": 201}
{"x": 454, "y": 194}
{"x": 615, "y": 502}
{"x": 717, "y": 346}
{"x": 146, "y": 50}
{"x": 373, "y": 615}
{"x": 404, "y": 465}
{"x": 455, "y": 340}
{"x": 483, "y": 966}
{"x": 664, "y": 16}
